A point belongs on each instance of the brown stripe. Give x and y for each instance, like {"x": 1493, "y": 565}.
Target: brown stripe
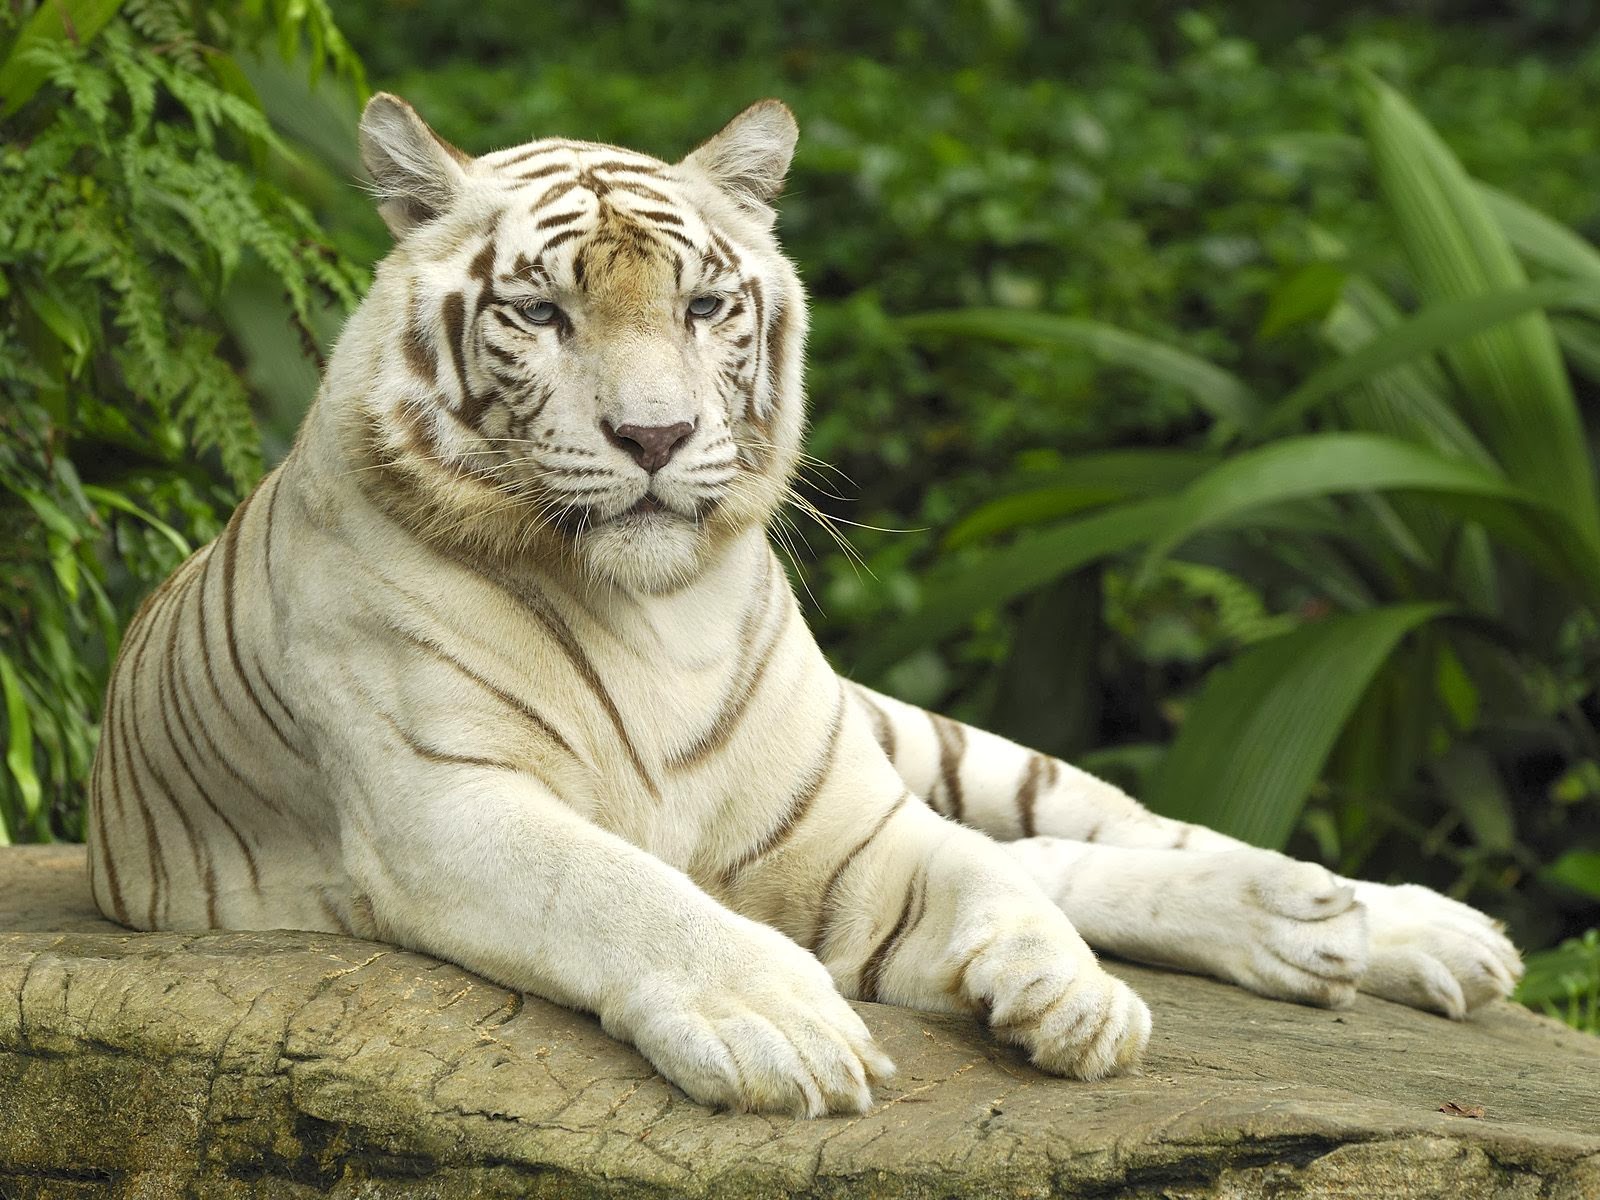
{"x": 560, "y": 219}
{"x": 802, "y": 802}
{"x": 217, "y": 755}
{"x": 230, "y": 562}
{"x": 114, "y": 727}
{"x": 535, "y": 601}
{"x": 453, "y": 312}
{"x": 1028, "y": 793}
{"x": 657, "y": 214}
{"x": 442, "y": 757}
{"x": 777, "y": 350}
{"x": 544, "y": 171}
{"x": 158, "y": 867}
{"x": 524, "y": 156}
{"x": 481, "y": 267}
{"x": 275, "y": 480}
{"x": 97, "y": 811}
{"x": 559, "y": 239}
{"x": 417, "y": 346}
{"x": 747, "y": 680}
{"x": 203, "y": 866}
{"x": 882, "y": 727}
{"x": 682, "y": 239}
{"x": 1183, "y": 838}
{"x": 634, "y": 168}
{"x": 818, "y": 942}
{"x": 554, "y": 192}
{"x": 510, "y": 701}
{"x": 952, "y": 746}
{"x": 872, "y": 970}
{"x": 632, "y": 187}
{"x": 759, "y": 303}
{"x": 191, "y": 749}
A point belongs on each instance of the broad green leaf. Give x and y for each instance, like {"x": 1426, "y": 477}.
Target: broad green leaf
{"x": 64, "y": 562}
{"x": 1036, "y": 506}
{"x": 1412, "y": 400}
{"x": 120, "y": 502}
{"x": 1514, "y": 388}
{"x": 54, "y": 21}
{"x": 1554, "y": 976}
{"x": 1580, "y": 342}
{"x": 1084, "y": 481}
{"x": 1049, "y": 696}
{"x": 1333, "y": 463}
{"x": 1258, "y": 735}
{"x": 1223, "y": 395}
{"x": 1439, "y": 326}
{"x": 1415, "y": 402}
{"x": 1304, "y": 296}
{"x": 1576, "y": 869}
{"x": 19, "y": 746}
{"x": 51, "y": 514}
{"x": 954, "y": 595}
{"x": 1473, "y": 785}
{"x": 72, "y": 328}
{"x": 1538, "y": 239}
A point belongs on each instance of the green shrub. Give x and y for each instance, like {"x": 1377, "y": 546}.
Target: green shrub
{"x": 136, "y": 187}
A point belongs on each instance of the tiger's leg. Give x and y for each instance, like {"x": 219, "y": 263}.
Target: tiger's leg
{"x": 488, "y": 869}
{"x": 1423, "y": 949}
{"x": 906, "y": 907}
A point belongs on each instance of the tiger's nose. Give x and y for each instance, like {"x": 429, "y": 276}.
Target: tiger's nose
{"x": 652, "y": 446}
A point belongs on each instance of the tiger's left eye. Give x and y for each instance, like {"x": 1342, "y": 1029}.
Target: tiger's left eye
{"x": 705, "y": 306}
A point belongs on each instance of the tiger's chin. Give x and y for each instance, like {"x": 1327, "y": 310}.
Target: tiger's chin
{"x": 645, "y": 551}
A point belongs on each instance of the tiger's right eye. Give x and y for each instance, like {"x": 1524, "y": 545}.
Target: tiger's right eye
{"x": 540, "y": 312}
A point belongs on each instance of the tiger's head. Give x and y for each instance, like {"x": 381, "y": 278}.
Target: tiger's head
{"x": 576, "y": 351}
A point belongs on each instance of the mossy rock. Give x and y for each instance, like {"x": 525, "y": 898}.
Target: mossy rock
{"x": 301, "y": 1064}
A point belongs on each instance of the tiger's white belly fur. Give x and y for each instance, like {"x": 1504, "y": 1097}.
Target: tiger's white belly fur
{"x": 498, "y": 665}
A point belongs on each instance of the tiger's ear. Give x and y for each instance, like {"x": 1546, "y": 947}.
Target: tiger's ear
{"x": 415, "y": 172}
{"x": 750, "y": 156}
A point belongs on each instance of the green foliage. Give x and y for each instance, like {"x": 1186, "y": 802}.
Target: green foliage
{"x": 1433, "y": 480}
{"x": 137, "y": 182}
{"x": 1565, "y": 982}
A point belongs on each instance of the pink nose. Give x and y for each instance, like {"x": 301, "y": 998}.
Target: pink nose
{"x": 652, "y": 446}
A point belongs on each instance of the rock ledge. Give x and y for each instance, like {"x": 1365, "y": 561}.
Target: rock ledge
{"x": 295, "y": 1064}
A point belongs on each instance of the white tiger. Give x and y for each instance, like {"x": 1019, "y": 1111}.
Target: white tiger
{"x": 499, "y": 665}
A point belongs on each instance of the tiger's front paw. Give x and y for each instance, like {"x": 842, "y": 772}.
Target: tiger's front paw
{"x": 1044, "y": 991}
{"x": 756, "y": 1024}
{"x": 1290, "y": 930}
{"x": 1432, "y": 952}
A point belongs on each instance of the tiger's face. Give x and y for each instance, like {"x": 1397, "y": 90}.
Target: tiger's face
{"x": 585, "y": 351}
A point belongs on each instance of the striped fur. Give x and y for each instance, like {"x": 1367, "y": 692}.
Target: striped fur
{"x": 464, "y": 675}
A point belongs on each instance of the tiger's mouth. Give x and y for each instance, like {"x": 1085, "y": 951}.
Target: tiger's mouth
{"x": 648, "y": 512}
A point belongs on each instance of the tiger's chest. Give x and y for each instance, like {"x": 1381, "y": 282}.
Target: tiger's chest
{"x": 679, "y": 722}
{"x": 707, "y": 722}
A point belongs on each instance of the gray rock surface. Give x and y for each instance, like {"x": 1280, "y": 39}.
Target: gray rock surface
{"x": 296, "y": 1064}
